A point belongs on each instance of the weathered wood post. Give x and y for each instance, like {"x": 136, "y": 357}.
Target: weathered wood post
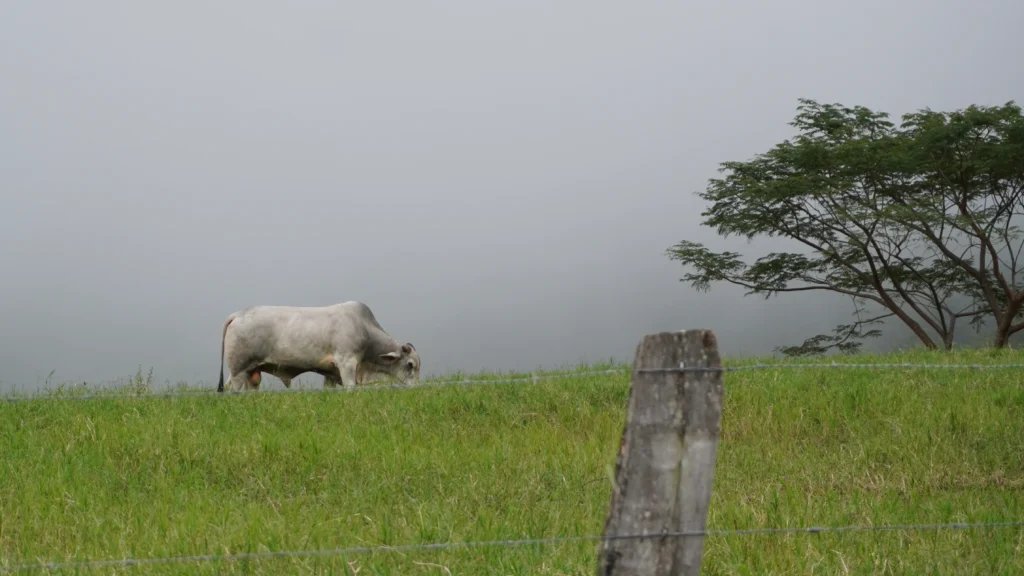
{"x": 666, "y": 461}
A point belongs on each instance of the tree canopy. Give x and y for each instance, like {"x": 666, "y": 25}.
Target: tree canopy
{"x": 914, "y": 222}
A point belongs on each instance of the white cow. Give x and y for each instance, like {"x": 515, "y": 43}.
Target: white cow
{"x": 342, "y": 342}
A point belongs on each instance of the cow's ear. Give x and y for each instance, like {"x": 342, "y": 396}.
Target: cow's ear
{"x": 407, "y": 348}
{"x": 389, "y": 357}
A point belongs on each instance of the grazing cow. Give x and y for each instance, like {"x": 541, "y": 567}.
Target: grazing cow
{"x": 342, "y": 342}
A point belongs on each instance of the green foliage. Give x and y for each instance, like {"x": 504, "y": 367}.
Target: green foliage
{"x": 148, "y": 477}
{"x": 846, "y": 338}
{"x": 900, "y": 219}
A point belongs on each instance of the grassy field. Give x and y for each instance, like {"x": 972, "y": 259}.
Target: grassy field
{"x": 148, "y": 477}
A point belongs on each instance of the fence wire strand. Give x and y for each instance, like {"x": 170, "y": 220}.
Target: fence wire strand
{"x": 495, "y": 543}
{"x": 531, "y": 379}
{"x": 325, "y": 390}
{"x": 837, "y": 365}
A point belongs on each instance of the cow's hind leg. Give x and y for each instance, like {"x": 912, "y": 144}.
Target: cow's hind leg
{"x": 248, "y": 379}
{"x": 241, "y": 373}
{"x": 243, "y": 368}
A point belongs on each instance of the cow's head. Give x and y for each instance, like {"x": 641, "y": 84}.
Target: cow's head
{"x": 403, "y": 364}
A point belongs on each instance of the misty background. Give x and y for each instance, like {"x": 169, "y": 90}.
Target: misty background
{"x": 497, "y": 181}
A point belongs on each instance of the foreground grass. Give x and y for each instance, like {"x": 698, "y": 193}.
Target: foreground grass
{"x": 139, "y": 477}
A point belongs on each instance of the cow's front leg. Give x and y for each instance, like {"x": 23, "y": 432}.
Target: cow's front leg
{"x": 347, "y": 367}
{"x": 331, "y": 381}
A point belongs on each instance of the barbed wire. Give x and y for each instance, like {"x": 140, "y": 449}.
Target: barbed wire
{"x": 533, "y": 378}
{"x": 495, "y": 543}
{"x": 325, "y": 390}
{"x": 905, "y": 365}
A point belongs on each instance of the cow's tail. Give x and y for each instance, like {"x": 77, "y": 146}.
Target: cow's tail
{"x": 223, "y": 334}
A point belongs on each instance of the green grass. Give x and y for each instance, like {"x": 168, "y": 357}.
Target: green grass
{"x": 148, "y": 477}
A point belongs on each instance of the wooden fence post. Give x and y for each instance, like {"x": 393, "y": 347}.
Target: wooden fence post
{"x": 666, "y": 462}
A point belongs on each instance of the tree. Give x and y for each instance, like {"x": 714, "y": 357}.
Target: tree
{"x": 970, "y": 181}
{"x": 903, "y": 220}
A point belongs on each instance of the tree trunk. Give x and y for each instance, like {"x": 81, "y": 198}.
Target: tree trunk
{"x": 912, "y": 324}
{"x": 923, "y": 336}
{"x": 947, "y": 337}
{"x": 1002, "y": 335}
{"x": 947, "y": 341}
{"x": 1004, "y": 324}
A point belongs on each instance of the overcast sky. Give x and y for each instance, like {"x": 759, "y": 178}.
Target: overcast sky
{"x": 498, "y": 181}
